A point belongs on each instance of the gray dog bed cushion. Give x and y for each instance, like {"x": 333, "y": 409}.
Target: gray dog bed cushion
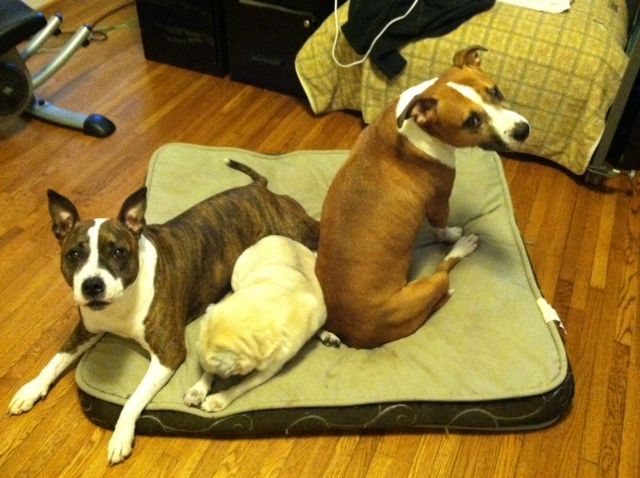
{"x": 491, "y": 358}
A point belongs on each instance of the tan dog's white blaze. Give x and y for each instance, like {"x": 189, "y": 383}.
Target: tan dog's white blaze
{"x": 276, "y": 307}
{"x": 400, "y": 172}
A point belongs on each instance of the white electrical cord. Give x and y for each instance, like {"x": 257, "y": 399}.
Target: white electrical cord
{"x": 366, "y": 55}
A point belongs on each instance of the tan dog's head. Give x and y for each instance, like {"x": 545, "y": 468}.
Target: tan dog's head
{"x": 463, "y": 107}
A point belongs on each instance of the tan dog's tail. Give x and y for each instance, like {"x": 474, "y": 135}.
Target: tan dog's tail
{"x": 247, "y": 170}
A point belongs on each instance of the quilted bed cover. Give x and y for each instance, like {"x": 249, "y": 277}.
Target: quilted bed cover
{"x": 560, "y": 70}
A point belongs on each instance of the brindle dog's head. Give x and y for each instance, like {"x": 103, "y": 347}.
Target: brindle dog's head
{"x": 99, "y": 257}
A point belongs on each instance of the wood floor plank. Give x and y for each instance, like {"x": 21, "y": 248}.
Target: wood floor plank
{"x": 477, "y": 457}
{"x": 309, "y": 456}
{"x": 584, "y": 263}
{"x": 599, "y": 388}
{"x": 630, "y": 447}
{"x": 603, "y": 244}
{"x": 613, "y": 423}
{"x": 394, "y": 455}
{"x": 272, "y": 463}
{"x": 445, "y": 455}
{"x": 338, "y": 464}
{"x": 628, "y": 242}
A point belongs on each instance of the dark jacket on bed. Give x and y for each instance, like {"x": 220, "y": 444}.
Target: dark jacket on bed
{"x": 429, "y": 18}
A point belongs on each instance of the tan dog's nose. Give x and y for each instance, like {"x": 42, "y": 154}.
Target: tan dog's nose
{"x": 521, "y": 131}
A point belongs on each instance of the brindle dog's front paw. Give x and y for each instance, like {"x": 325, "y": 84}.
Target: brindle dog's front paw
{"x": 121, "y": 443}
{"x": 27, "y": 396}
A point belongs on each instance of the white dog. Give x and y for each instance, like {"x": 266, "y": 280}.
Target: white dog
{"x": 276, "y": 307}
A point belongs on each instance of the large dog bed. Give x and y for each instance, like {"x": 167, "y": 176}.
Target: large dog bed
{"x": 491, "y": 359}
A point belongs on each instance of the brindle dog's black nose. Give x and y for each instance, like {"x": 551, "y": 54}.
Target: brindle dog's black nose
{"x": 93, "y": 287}
{"x": 521, "y": 132}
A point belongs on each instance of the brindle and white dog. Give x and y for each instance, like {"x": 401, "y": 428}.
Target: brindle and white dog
{"x": 145, "y": 282}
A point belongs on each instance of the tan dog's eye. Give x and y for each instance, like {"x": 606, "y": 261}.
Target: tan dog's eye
{"x": 495, "y": 94}
{"x": 473, "y": 122}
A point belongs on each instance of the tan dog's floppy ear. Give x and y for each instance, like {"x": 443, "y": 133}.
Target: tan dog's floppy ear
{"x": 470, "y": 56}
{"x": 63, "y": 214}
{"x": 422, "y": 110}
{"x": 132, "y": 211}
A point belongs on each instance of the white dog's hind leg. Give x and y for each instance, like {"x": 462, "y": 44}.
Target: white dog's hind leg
{"x": 220, "y": 400}
{"x": 31, "y": 392}
{"x": 198, "y": 392}
{"x": 329, "y": 339}
{"x": 121, "y": 442}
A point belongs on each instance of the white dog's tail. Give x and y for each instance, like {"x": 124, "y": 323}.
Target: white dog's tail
{"x": 258, "y": 178}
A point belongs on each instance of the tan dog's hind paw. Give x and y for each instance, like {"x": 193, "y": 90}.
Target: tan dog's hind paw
{"x": 464, "y": 246}
{"x": 449, "y": 234}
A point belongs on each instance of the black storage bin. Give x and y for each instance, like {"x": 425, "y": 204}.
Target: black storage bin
{"x": 184, "y": 33}
{"x": 265, "y": 36}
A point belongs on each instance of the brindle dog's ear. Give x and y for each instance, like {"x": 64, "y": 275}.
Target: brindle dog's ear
{"x": 469, "y": 57}
{"x": 422, "y": 110}
{"x": 63, "y": 214}
{"x": 132, "y": 211}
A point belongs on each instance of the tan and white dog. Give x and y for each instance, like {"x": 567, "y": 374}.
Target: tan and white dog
{"x": 145, "y": 282}
{"x": 276, "y": 307}
{"x": 400, "y": 171}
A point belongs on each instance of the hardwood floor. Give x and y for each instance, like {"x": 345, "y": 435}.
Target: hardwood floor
{"x": 584, "y": 244}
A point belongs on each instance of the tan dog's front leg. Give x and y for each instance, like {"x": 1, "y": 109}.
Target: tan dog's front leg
{"x": 438, "y": 217}
{"x": 413, "y": 304}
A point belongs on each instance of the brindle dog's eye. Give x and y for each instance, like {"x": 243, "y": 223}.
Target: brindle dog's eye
{"x": 74, "y": 254}
{"x": 473, "y": 122}
{"x": 496, "y": 94}
{"x": 120, "y": 253}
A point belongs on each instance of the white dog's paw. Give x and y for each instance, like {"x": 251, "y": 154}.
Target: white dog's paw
{"x": 464, "y": 246}
{"x": 329, "y": 339}
{"x": 120, "y": 444}
{"x": 214, "y": 403}
{"x": 195, "y": 395}
{"x": 27, "y": 396}
{"x": 449, "y": 234}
